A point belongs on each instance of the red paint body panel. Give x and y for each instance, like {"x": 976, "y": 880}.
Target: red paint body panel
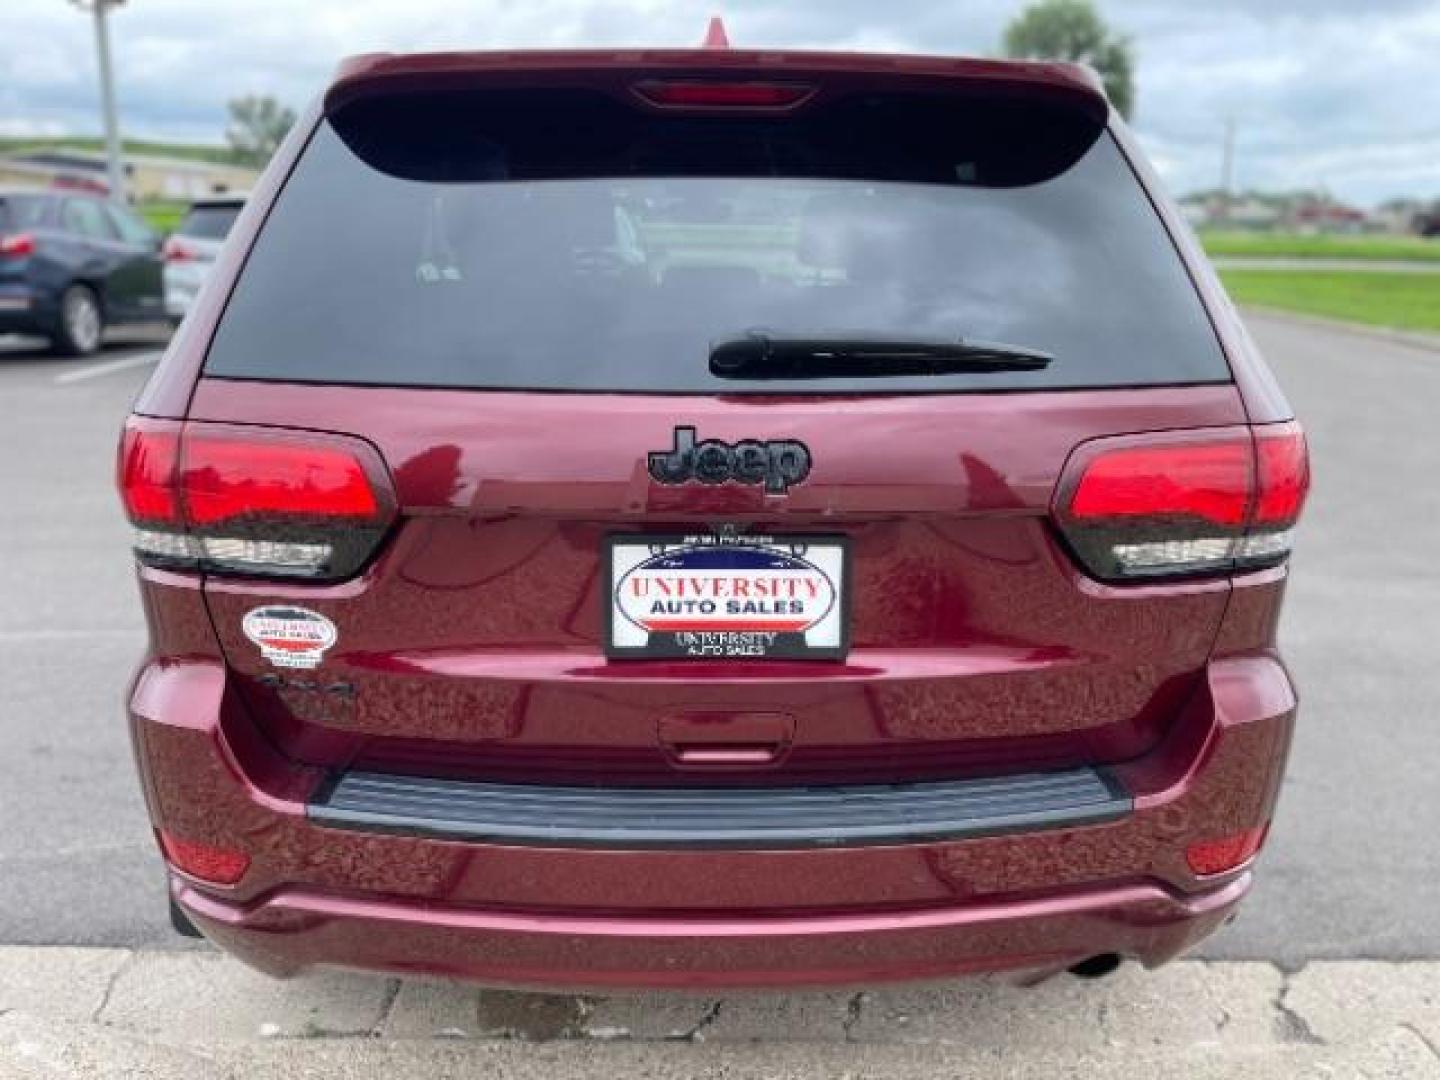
{"x": 474, "y": 641}
{"x": 294, "y": 930}
{"x": 509, "y": 914}
{"x": 471, "y": 646}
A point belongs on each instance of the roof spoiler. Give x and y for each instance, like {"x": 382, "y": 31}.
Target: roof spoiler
{"x": 617, "y": 70}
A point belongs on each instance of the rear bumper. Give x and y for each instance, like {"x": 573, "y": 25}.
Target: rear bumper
{"x": 527, "y": 914}
{"x": 24, "y": 310}
{"x": 295, "y": 929}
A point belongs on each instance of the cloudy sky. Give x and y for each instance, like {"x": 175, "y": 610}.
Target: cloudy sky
{"x": 1343, "y": 94}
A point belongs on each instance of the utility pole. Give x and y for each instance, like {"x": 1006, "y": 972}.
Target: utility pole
{"x": 1227, "y": 162}
{"x": 114, "y": 167}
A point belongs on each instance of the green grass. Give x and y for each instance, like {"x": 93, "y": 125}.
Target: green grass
{"x": 1398, "y": 300}
{"x": 1295, "y": 246}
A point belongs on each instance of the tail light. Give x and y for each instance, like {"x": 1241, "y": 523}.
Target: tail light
{"x": 702, "y": 94}
{"x": 1184, "y": 503}
{"x": 177, "y": 251}
{"x": 17, "y": 245}
{"x": 216, "y": 865}
{"x": 1215, "y": 856}
{"x": 243, "y": 500}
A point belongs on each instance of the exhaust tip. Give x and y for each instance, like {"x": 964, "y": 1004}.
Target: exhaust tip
{"x": 1096, "y": 967}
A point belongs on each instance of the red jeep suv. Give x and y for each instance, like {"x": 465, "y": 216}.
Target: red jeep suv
{"x": 699, "y": 518}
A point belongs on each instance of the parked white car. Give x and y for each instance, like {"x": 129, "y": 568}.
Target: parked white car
{"x": 193, "y": 247}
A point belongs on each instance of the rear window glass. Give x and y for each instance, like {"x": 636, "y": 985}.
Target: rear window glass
{"x": 21, "y": 211}
{"x": 579, "y": 244}
{"x": 209, "y": 222}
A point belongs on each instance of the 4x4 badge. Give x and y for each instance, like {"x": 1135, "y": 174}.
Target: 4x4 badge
{"x": 778, "y": 464}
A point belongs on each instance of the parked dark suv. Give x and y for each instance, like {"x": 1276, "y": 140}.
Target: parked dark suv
{"x": 72, "y": 264}
{"x": 689, "y": 518}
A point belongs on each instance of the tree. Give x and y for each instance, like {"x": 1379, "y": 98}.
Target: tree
{"x": 257, "y": 127}
{"x": 1073, "y": 30}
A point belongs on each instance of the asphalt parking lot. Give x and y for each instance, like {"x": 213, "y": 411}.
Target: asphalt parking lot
{"x": 1350, "y": 872}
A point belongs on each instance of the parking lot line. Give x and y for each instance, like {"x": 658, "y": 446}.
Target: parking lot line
{"x": 108, "y": 367}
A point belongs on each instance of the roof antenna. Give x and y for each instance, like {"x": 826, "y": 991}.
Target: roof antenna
{"x": 715, "y": 36}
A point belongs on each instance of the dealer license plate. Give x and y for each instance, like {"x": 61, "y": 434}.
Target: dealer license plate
{"x": 727, "y": 597}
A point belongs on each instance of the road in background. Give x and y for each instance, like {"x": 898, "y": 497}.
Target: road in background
{"x": 1350, "y": 869}
{"x": 1321, "y": 263}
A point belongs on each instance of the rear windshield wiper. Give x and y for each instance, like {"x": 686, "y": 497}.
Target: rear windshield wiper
{"x": 766, "y": 354}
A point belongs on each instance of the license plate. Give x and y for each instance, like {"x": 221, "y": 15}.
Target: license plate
{"x": 727, "y": 597}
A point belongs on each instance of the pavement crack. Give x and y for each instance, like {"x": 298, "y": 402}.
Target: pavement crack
{"x": 711, "y": 1014}
{"x": 1406, "y": 1025}
{"x": 853, "y": 1009}
{"x": 120, "y": 969}
{"x": 1223, "y": 1021}
{"x": 1290, "y": 1026}
{"x": 387, "y": 1004}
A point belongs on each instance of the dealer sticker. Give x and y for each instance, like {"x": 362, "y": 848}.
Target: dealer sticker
{"x": 289, "y": 637}
{"x": 727, "y": 597}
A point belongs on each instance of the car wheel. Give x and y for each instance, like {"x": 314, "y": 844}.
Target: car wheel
{"x": 81, "y": 322}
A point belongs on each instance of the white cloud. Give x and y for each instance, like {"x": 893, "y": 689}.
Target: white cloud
{"x": 1325, "y": 92}
{"x": 20, "y": 128}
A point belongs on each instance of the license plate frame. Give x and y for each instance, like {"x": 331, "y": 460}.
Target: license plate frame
{"x": 794, "y": 620}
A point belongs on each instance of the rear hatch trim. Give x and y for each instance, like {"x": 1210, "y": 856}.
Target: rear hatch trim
{"x": 691, "y": 818}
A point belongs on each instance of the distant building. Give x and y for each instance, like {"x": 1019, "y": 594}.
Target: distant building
{"x": 1326, "y": 216}
{"x": 1240, "y": 212}
{"x": 148, "y": 177}
{"x": 1252, "y": 213}
{"x": 1409, "y": 216}
{"x": 1306, "y": 212}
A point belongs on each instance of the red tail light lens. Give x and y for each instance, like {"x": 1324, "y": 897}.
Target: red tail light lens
{"x": 175, "y": 251}
{"x": 1204, "y": 483}
{"x": 149, "y": 453}
{"x": 1186, "y": 503}
{"x": 1284, "y": 469}
{"x": 1225, "y": 852}
{"x": 253, "y": 500}
{"x": 225, "y": 479}
{"x": 696, "y": 94}
{"x": 216, "y": 865}
{"x": 17, "y": 245}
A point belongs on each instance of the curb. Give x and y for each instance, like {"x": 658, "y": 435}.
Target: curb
{"x": 114, "y": 1012}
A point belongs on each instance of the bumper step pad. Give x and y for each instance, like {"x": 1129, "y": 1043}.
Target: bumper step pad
{"x": 700, "y": 818}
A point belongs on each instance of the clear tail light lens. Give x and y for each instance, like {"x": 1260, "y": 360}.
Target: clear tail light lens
{"x": 241, "y": 500}
{"x": 1184, "y": 503}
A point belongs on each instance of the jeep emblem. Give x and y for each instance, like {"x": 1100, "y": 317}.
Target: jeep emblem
{"x": 777, "y": 464}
